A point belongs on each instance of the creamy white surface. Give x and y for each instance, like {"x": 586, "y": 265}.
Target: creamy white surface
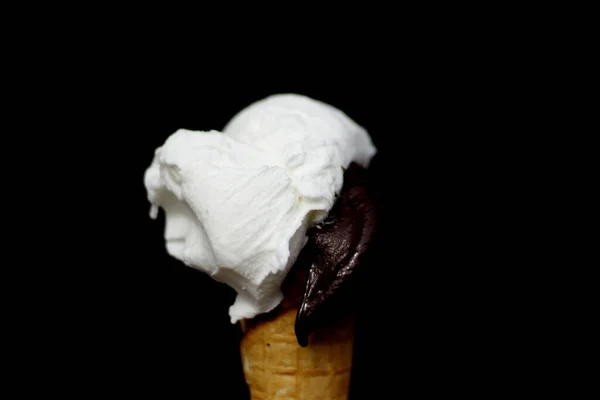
{"x": 238, "y": 203}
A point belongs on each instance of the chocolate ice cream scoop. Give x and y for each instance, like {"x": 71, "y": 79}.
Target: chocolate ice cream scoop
{"x": 336, "y": 251}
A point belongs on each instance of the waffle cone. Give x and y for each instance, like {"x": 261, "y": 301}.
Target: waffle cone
{"x": 277, "y": 367}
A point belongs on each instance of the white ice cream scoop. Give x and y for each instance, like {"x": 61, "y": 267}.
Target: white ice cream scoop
{"x": 238, "y": 203}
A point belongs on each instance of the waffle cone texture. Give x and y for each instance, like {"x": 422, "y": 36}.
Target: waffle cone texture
{"x": 277, "y": 367}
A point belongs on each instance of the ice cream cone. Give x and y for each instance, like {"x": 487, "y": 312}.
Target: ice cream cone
{"x": 276, "y": 206}
{"x": 277, "y": 367}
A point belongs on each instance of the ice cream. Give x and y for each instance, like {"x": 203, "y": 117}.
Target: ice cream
{"x": 239, "y": 203}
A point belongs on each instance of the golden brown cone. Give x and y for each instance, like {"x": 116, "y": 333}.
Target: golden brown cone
{"x": 276, "y": 367}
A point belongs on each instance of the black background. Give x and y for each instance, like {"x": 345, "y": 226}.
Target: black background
{"x": 96, "y": 306}
{"x": 123, "y": 316}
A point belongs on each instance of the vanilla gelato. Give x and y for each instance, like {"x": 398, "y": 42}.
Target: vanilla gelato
{"x": 238, "y": 202}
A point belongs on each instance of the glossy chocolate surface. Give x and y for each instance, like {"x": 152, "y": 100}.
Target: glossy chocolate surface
{"x": 334, "y": 253}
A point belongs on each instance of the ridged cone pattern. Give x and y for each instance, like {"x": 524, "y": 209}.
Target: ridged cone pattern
{"x": 276, "y": 367}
